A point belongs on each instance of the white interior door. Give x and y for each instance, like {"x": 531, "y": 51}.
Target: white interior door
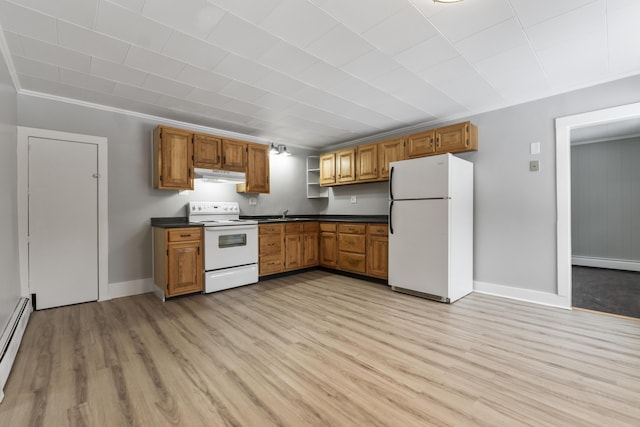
{"x": 63, "y": 222}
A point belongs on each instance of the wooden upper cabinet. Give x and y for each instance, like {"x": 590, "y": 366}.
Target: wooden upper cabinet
{"x": 367, "y": 162}
{"x": 390, "y": 151}
{"x": 346, "y": 165}
{"x": 234, "y": 155}
{"x": 328, "y": 169}
{"x": 173, "y": 164}
{"x": 421, "y": 144}
{"x": 258, "y": 172}
{"x": 456, "y": 138}
{"x": 206, "y": 151}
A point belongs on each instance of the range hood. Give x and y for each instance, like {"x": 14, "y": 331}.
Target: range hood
{"x": 211, "y": 175}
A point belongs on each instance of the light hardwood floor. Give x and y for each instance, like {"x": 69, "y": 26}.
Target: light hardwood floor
{"x": 321, "y": 349}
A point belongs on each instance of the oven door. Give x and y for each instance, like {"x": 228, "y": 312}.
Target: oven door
{"x": 230, "y": 246}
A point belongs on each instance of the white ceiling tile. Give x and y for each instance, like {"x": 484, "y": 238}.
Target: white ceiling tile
{"x": 132, "y": 5}
{"x": 152, "y": 62}
{"x": 534, "y": 12}
{"x": 323, "y": 100}
{"x": 252, "y": 11}
{"x": 242, "y": 108}
{"x": 131, "y": 27}
{"x": 206, "y": 97}
{"x": 575, "y": 62}
{"x": 86, "y": 81}
{"x": 516, "y": 74}
{"x": 108, "y": 99}
{"x": 473, "y": 92}
{"x": 80, "y": 12}
{"x": 47, "y": 86}
{"x": 166, "y": 86}
{"x": 427, "y": 54}
{"x": 193, "y": 51}
{"x": 279, "y": 83}
{"x": 135, "y": 93}
{"x": 499, "y": 38}
{"x": 577, "y": 23}
{"x": 409, "y": 28}
{"x": 370, "y": 66}
{"x": 117, "y": 72}
{"x": 242, "y": 91}
{"x": 241, "y": 37}
{"x": 29, "y": 67}
{"x": 339, "y": 46}
{"x": 28, "y": 23}
{"x": 195, "y": 17}
{"x": 274, "y": 102}
{"x": 298, "y": 22}
{"x": 448, "y": 70}
{"x": 14, "y": 42}
{"x": 287, "y": 59}
{"x": 360, "y": 15}
{"x": 241, "y": 69}
{"x": 457, "y": 23}
{"x": 624, "y": 37}
{"x": 202, "y": 79}
{"x": 56, "y": 55}
{"x": 322, "y": 75}
{"x": 91, "y": 43}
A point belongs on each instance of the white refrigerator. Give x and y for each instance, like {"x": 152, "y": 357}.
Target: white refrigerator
{"x": 431, "y": 227}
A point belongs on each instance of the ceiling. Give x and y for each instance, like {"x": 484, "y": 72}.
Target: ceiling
{"x": 316, "y": 72}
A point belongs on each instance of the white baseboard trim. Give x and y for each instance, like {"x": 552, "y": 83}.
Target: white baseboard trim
{"x": 615, "y": 264}
{"x": 11, "y": 339}
{"x": 527, "y": 295}
{"x": 133, "y": 287}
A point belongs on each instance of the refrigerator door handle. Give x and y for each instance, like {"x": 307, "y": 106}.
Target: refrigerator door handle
{"x": 391, "y": 183}
{"x": 391, "y": 217}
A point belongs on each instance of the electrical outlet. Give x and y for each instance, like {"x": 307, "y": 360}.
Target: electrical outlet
{"x": 534, "y": 165}
{"x": 253, "y": 201}
{"x": 354, "y": 199}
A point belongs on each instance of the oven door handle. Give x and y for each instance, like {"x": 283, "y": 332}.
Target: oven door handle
{"x": 227, "y": 228}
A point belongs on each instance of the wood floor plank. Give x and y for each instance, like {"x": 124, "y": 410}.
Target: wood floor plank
{"x": 319, "y": 349}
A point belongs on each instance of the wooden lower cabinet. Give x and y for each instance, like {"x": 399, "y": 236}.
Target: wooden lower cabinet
{"x": 301, "y": 245}
{"x": 178, "y": 265}
{"x": 377, "y": 251}
{"x": 352, "y": 248}
{"x": 292, "y": 250}
{"x": 328, "y": 244}
{"x": 270, "y": 249}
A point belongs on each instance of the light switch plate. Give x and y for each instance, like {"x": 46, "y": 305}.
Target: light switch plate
{"x": 535, "y": 147}
{"x": 534, "y": 165}
{"x": 253, "y": 201}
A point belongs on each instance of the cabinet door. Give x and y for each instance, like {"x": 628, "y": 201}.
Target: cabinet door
{"x": 184, "y": 268}
{"x": 390, "y": 151}
{"x": 421, "y": 144}
{"x": 292, "y": 251}
{"x": 328, "y": 169}
{"x": 345, "y": 165}
{"x": 257, "y": 170}
{"x": 456, "y": 138}
{"x": 377, "y": 256}
{"x": 206, "y": 151}
{"x": 173, "y": 151}
{"x": 234, "y": 155}
{"x": 310, "y": 249}
{"x": 367, "y": 162}
{"x": 328, "y": 249}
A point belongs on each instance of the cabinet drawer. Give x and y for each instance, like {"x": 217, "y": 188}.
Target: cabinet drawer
{"x": 184, "y": 234}
{"x": 310, "y": 226}
{"x": 270, "y": 264}
{"x": 378, "y": 229}
{"x": 328, "y": 226}
{"x": 352, "y": 262}
{"x": 352, "y": 228}
{"x": 293, "y": 228}
{"x": 270, "y": 228}
{"x": 270, "y": 244}
{"x": 351, "y": 243}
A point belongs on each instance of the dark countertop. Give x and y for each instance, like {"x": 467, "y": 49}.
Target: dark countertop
{"x": 180, "y": 222}
{"x": 173, "y": 222}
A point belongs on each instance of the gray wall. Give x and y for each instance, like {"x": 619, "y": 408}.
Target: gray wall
{"x": 515, "y": 210}
{"x": 605, "y": 199}
{"x": 10, "y": 279}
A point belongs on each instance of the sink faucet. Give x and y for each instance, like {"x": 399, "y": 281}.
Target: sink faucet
{"x": 284, "y": 214}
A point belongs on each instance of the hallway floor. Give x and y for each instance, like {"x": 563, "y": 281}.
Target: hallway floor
{"x": 609, "y": 291}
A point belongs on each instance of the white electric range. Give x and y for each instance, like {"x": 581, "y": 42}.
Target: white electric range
{"x": 230, "y": 245}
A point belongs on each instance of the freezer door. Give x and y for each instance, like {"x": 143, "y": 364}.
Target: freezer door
{"x": 419, "y": 246}
{"x": 422, "y": 178}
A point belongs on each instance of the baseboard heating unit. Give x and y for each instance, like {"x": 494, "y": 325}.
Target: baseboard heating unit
{"x": 11, "y": 338}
